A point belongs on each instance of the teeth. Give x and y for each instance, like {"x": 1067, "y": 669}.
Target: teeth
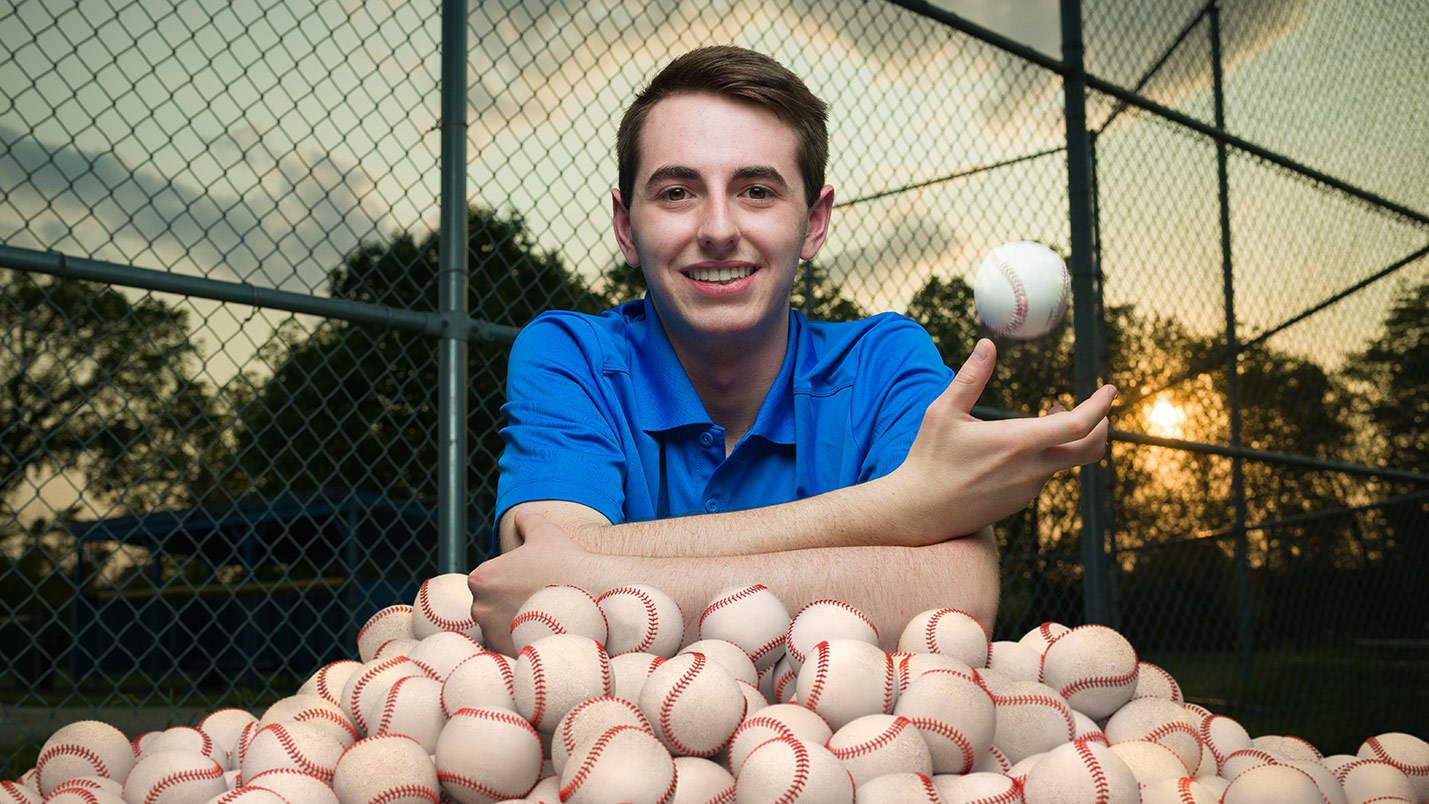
{"x": 719, "y": 274}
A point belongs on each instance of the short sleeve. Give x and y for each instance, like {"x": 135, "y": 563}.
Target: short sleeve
{"x": 900, "y": 390}
{"x": 562, "y": 441}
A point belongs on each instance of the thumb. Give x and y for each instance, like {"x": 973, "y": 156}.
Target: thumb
{"x": 971, "y": 379}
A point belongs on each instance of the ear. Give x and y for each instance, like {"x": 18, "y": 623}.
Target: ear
{"x": 623, "y": 234}
{"x": 817, "y": 226}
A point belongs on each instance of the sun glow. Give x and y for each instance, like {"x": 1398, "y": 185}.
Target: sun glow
{"x": 1166, "y": 418}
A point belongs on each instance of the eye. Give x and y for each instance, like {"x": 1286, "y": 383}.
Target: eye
{"x": 759, "y": 193}
{"x": 674, "y": 194}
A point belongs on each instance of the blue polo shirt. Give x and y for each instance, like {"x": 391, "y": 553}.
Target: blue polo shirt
{"x": 600, "y": 412}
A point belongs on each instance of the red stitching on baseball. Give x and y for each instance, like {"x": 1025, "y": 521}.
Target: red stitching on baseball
{"x": 729, "y": 600}
{"x": 540, "y": 617}
{"x": 438, "y": 620}
{"x": 588, "y": 764}
{"x": 930, "y": 633}
{"x": 403, "y": 790}
{"x": 538, "y": 684}
{"x": 868, "y": 746}
{"x": 1019, "y": 296}
{"x": 199, "y": 775}
{"x": 771, "y": 645}
{"x": 686, "y": 678}
{"x": 1098, "y": 775}
{"x": 652, "y": 614}
{"x": 951, "y": 734}
{"x": 1043, "y": 700}
{"x": 821, "y": 671}
{"x": 357, "y": 719}
{"x": 73, "y": 750}
{"x": 382, "y": 615}
{"x": 801, "y": 768}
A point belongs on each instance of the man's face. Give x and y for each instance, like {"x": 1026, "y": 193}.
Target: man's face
{"x": 718, "y": 221}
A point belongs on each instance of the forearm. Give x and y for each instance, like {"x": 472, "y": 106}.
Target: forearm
{"x": 889, "y": 584}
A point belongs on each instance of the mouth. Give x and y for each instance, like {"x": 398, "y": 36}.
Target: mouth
{"x": 721, "y": 275}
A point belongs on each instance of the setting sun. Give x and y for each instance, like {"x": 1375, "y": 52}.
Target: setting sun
{"x": 1166, "y": 418}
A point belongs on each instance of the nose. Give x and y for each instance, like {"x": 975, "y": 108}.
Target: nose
{"x": 718, "y": 229}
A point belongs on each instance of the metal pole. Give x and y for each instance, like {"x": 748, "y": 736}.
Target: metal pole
{"x": 1097, "y": 601}
{"x": 1245, "y": 635}
{"x": 452, "y": 281}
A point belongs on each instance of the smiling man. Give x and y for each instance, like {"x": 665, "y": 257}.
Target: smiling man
{"x": 708, "y": 435}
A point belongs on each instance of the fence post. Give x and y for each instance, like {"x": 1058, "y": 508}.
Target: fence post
{"x": 1096, "y": 598}
{"x": 453, "y": 282}
{"x": 1245, "y": 638}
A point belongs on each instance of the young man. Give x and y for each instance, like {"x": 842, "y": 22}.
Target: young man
{"x": 708, "y": 435}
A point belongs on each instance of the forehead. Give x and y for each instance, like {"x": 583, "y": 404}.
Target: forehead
{"x": 715, "y": 135}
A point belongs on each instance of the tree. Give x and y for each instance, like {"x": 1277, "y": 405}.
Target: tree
{"x": 356, "y": 406}
{"x": 102, "y": 384}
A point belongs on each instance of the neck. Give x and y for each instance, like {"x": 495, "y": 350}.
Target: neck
{"x": 732, "y": 379}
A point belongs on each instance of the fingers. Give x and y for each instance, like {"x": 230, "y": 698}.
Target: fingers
{"x": 971, "y": 379}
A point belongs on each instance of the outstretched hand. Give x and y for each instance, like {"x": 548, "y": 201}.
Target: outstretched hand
{"x": 963, "y": 473}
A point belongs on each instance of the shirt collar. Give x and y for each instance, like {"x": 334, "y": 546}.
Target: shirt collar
{"x": 670, "y": 401}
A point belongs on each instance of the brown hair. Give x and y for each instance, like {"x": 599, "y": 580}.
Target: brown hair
{"x": 742, "y": 75}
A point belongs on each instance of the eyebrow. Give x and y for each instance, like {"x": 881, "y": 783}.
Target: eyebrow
{"x": 683, "y": 173}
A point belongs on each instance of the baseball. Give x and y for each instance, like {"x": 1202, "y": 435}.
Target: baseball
{"x": 16, "y": 793}
{"x": 487, "y": 755}
{"x": 444, "y": 604}
{"x": 1078, "y": 772}
{"x": 393, "y": 622}
{"x": 1021, "y": 290}
{"x": 641, "y": 619}
{"x": 174, "y": 777}
{"x": 752, "y": 617}
{"x": 899, "y": 788}
{"x": 84, "y": 748}
{"x": 385, "y": 769}
{"x": 1093, "y": 667}
{"x": 701, "y": 781}
{"x": 483, "y": 681}
{"x": 314, "y": 710}
{"x": 295, "y": 786}
{"x": 1404, "y": 751}
{"x": 955, "y": 715}
{"x": 587, "y": 721}
{"x": 824, "y": 620}
{"x": 558, "y": 609}
{"x": 846, "y": 679}
{"x": 307, "y": 747}
{"x": 790, "y": 770}
{"x": 329, "y": 680}
{"x": 624, "y": 763}
{"x": 554, "y": 674}
{"x": 776, "y": 720}
{"x": 874, "y": 745}
{"x": 948, "y": 632}
{"x": 693, "y": 704}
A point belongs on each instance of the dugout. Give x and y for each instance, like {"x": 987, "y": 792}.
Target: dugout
{"x": 263, "y": 585}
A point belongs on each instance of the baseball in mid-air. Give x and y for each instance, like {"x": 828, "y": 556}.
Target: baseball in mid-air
{"x": 1021, "y": 290}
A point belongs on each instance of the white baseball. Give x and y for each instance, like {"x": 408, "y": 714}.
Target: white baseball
{"x": 365, "y": 690}
{"x": 394, "y": 648}
{"x": 588, "y": 720}
{"x": 554, "y": 673}
{"x": 948, "y": 632}
{"x": 80, "y": 795}
{"x": 1327, "y": 782}
{"x": 296, "y": 787}
{"x": 750, "y": 616}
{"x": 1404, "y": 751}
{"x": 486, "y": 755}
{"x": 223, "y": 727}
{"x": 1094, "y": 667}
{"x": 1152, "y": 681}
{"x": 1021, "y": 289}
{"x": 441, "y": 652}
{"x": 994, "y": 762}
{"x": 174, "y": 777}
{"x": 911, "y": 665}
{"x": 727, "y": 655}
{"x": 641, "y": 619}
{"x": 1043, "y": 635}
{"x": 955, "y": 715}
{"x": 825, "y": 620}
{"x": 693, "y": 704}
{"x": 248, "y": 795}
{"x": 754, "y": 700}
{"x": 789, "y": 770}
{"x": 390, "y": 623}
{"x": 873, "y": 745}
{"x": 780, "y": 682}
{"x": 977, "y": 788}
{"x": 483, "y": 681}
{"x": 385, "y": 769}
{"x": 1238, "y": 762}
{"x": 1183, "y": 790}
{"x": 899, "y": 788}
{"x": 1281, "y": 784}
{"x": 629, "y": 671}
{"x": 1014, "y": 660}
{"x": 413, "y": 706}
{"x": 1286, "y": 747}
{"x": 702, "y": 781}
{"x": 775, "y": 720}
{"x": 1369, "y": 779}
{"x": 443, "y": 603}
{"x": 546, "y": 791}
{"x": 1031, "y": 719}
{"x": 558, "y": 609}
{"x": 83, "y": 748}
{"x": 625, "y": 763}
{"x": 844, "y": 679}
{"x": 1159, "y": 721}
{"x": 1150, "y": 762}
{"x": 314, "y": 710}
{"x": 1223, "y": 736}
{"x": 307, "y": 747}
{"x": 16, "y": 793}
{"x": 112, "y": 788}
{"x": 1078, "y": 772}
{"x": 329, "y": 679}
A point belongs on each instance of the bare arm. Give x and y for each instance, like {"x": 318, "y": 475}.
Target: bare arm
{"x": 889, "y": 584}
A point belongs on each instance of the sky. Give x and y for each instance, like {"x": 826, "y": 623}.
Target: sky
{"x": 263, "y": 142}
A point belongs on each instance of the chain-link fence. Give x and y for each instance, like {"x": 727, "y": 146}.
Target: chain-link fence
{"x": 222, "y": 396}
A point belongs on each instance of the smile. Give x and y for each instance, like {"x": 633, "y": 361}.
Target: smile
{"x": 720, "y": 275}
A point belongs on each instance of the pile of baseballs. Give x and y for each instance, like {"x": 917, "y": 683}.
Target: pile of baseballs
{"x": 607, "y": 700}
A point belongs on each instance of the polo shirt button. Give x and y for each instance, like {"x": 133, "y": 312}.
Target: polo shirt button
{"x": 712, "y": 505}
{"x": 706, "y": 439}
